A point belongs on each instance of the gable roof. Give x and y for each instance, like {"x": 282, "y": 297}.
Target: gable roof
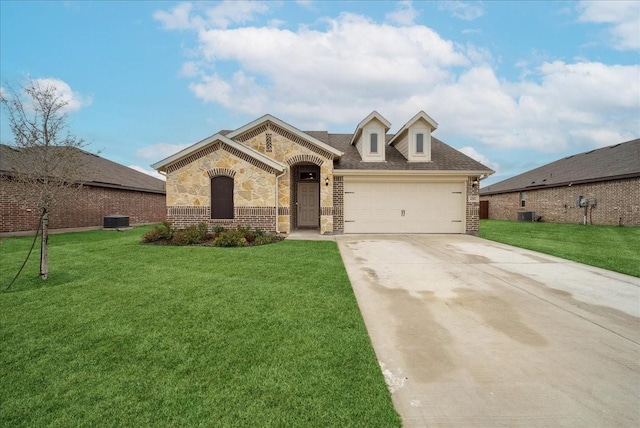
{"x": 405, "y": 128}
{"x": 209, "y": 141}
{"x": 269, "y": 118}
{"x": 373, "y": 115}
{"x": 443, "y": 158}
{"x": 96, "y": 171}
{"x": 608, "y": 163}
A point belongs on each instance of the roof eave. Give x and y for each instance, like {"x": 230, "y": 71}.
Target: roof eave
{"x": 561, "y": 184}
{"x": 161, "y": 166}
{"x": 410, "y": 172}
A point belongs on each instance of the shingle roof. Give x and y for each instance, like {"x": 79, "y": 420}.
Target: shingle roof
{"x": 443, "y": 156}
{"x": 608, "y": 163}
{"x": 97, "y": 171}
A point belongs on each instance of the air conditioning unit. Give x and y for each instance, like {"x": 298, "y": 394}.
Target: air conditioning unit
{"x": 116, "y": 221}
{"x": 526, "y": 216}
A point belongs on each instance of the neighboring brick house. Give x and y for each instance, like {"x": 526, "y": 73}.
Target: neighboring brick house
{"x": 600, "y": 186}
{"x": 270, "y": 175}
{"x": 108, "y": 188}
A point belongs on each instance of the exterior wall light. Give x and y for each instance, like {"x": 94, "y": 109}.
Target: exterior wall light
{"x": 474, "y": 183}
{"x": 326, "y": 181}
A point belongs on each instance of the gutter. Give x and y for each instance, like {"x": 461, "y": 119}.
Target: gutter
{"x": 277, "y": 200}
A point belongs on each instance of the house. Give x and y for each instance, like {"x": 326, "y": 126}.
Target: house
{"x": 600, "y": 186}
{"x": 108, "y": 188}
{"x": 269, "y": 174}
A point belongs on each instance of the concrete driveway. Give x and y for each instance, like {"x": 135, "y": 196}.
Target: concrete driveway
{"x": 470, "y": 332}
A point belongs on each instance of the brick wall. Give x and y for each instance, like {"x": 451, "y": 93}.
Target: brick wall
{"x": 473, "y": 208}
{"x": 338, "y": 204}
{"x": 255, "y": 217}
{"x": 86, "y": 209}
{"x": 618, "y": 203}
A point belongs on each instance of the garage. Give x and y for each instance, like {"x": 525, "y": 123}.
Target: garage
{"x": 403, "y": 206}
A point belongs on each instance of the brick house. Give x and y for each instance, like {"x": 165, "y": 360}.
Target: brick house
{"x": 269, "y": 174}
{"x": 108, "y": 188}
{"x": 600, "y": 186}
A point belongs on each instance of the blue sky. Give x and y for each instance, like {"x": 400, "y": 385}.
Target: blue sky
{"x": 512, "y": 84}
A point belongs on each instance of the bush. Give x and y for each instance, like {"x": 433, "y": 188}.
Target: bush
{"x": 267, "y": 238}
{"x": 191, "y": 235}
{"x": 241, "y": 236}
{"x": 162, "y": 232}
{"x": 230, "y": 238}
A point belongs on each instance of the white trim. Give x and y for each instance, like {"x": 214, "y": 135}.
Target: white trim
{"x": 160, "y": 166}
{"x": 404, "y": 172}
{"x": 421, "y": 115}
{"x": 373, "y": 115}
{"x": 293, "y": 130}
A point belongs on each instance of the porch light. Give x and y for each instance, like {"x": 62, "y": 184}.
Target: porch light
{"x": 474, "y": 183}
{"x": 326, "y": 181}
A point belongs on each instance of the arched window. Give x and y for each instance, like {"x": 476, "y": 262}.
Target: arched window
{"x": 222, "y": 197}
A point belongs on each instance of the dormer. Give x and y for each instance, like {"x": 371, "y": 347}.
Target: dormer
{"x": 370, "y": 136}
{"x": 413, "y": 140}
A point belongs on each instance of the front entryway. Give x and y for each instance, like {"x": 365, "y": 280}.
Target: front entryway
{"x": 308, "y": 204}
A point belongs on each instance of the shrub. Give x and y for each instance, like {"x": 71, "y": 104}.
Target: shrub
{"x": 230, "y": 238}
{"x": 267, "y": 238}
{"x": 217, "y": 229}
{"x": 191, "y": 235}
{"x": 162, "y": 232}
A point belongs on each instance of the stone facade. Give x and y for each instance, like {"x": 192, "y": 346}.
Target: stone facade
{"x": 189, "y": 188}
{"x": 87, "y": 209}
{"x": 617, "y": 202}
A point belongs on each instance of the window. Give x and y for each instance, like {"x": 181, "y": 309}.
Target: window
{"x": 523, "y": 199}
{"x": 419, "y": 143}
{"x": 374, "y": 143}
{"x": 308, "y": 176}
{"x": 222, "y": 197}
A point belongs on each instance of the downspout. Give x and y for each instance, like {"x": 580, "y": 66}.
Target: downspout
{"x": 277, "y": 200}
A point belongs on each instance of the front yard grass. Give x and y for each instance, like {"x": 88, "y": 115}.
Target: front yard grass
{"x": 125, "y": 334}
{"x": 609, "y": 247}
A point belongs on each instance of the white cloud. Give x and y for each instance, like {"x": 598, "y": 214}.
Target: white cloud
{"x": 308, "y": 73}
{"x": 74, "y": 100}
{"x": 177, "y": 19}
{"x": 467, "y": 11}
{"x": 474, "y": 154}
{"x": 334, "y": 76}
{"x": 159, "y": 151}
{"x": 623, "y": 18}
{"x": 222, "y": 15}
{"x": 404, "y": 14}
{"x": 152, "y": 173}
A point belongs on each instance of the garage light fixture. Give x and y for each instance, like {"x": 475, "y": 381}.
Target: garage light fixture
{"x": 326, "y": 181}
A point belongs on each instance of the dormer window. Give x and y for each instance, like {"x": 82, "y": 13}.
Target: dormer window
{"x": 370, "y": 137}
{"x": 413, "y": 140}
{"x": 420, "y": 143}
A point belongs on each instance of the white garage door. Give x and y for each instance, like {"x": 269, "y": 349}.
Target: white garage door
{"x": 404, "y": 207}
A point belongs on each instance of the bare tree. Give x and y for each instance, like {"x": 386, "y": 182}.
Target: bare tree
{"x": 45, "y": 156}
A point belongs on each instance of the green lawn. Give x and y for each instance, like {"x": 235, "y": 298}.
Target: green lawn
{"x": 124, "y": 334}
{"x": 610, "y": 247}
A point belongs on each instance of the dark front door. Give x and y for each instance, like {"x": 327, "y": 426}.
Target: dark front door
{"x": 308, "y": 204}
